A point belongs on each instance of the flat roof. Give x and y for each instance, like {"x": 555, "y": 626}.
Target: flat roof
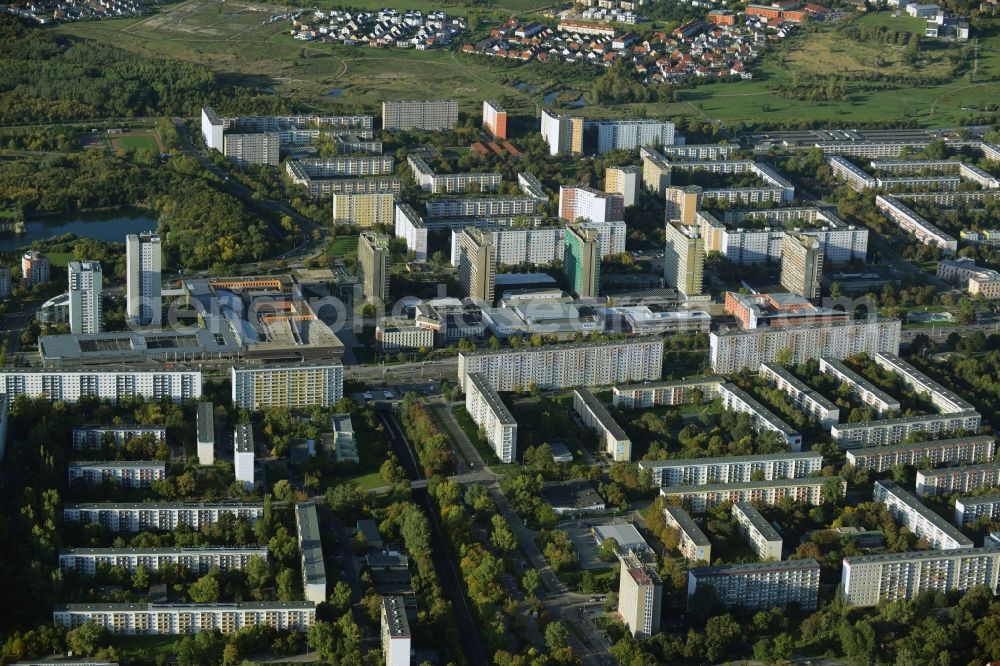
{"x": 907, "y": 498}
{"x": 758, "y": 521}
{"x": 882, "y": 423}
{"x": 307, "y": 522}
{"x": 755, "y": 567}
{"x": 947, "y": 471}
{"x": 575, "y": 493}
{"x": 688, "y": 526}
{"x": 700, "y": 380}
{"x": 759, "y": 409}
{"x": 856, "y": 378}
{"x": 160, "y": 506}
{"x": 369, "y": 529}
{"x": 927, "y": 444}
{"x": 342, "y": 424}
{"x": 625, "y": 534}
{"x": 918, "y": 555}
{"x": 919, "y": 381}
{"x": 206, "y": 422}
{"x": 601, "y": 413}
{"x": 972, "y": 500}
{"x": 809, "y": 327}
{"x": 492, "y": 399}
{"x": 394, "y": 611}
{"x": 243, "y": 438}
{"x": 800, "y": 386}
{"x": 219, "y": 606}
{"x": 724, "y": 460}
{"x": 197, "y": 550}
{"x": 746, "y": 485}
{"x": 124, "y": 464}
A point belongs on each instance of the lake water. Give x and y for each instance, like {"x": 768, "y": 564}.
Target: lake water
{"x": 113, "y": 227}
{"x": 336, "y": 92}
{"x": 578, "y": 103}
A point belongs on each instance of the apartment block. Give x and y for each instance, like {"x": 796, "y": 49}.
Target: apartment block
{"x": 450, "y": 183}
{"x": 420, "y": 114}
{"x": 85, "y": 287}
{"x": 143, "y": 263}
{"x": 489, "y": 412}
{"x": 976, "y": 280}
{"x": 256, "y": 148}
{"x": 894, "y": 431}
{"x": 244, "y": 454}
{"x": 961, "y": 450}
{"x": 778, "y": 309}
{"x": 363, "y": 210}
{"x": 206, "y": 433}
{"x": 582, "y": 261}
{"x": 71, "y": 386}
{"x": 397, "y": 333}
{"x": 869, "y": 580}
{"x": 563, "y": 134}
{"x": 165, "y": 516}
{"x": 923, "y": 522}
{"x": 410, "y": 226}
{"x": 567, "y": 365}
{"x": 738, "y": 400}
{"x": 760, "y": 586}
{"x": 538, "y": 247}
{"x": 733, "y": 469}
{"x": 589, "y": 204}
{"x": 801, "y": 265}
{"x": 951, "y": 480}
{"x": 656, "y": 171}
{"x": 926, "y": 233}
{"x": 494, "y": 119}
{"x": 640, "y": 596}
{"x": 373, "y": 266}
{"x": 395, "y": 630}
{"x": 769, "y": 493}
{"x": 506, "y": 206}
{"x": 656, "y": 394}
{"x": 800, "y": 394}
{"x": 682, "y": 204}
{"x": 34, "y": 268}
{"x": 684, "y": 259}
{"x": 970, "y": 509}
{"x": 623, "y": 181}
{"x": 692, "y": 542}
{"x": 760, "y": 535}
{"x": 631, "y": 134}
{"x": 180, "y": 619}
{"x": 610, "y": 236}
{"x": 197, "y": 561}
{"x": 732, "y": 350}
{"x": 860, "y": 387}
{"x": 595, "y": 415}
{"x": 292, "y": 386}
{"x": 125, "y": 473}
{"x": 311, "y": 552}
{"x": 477, "y": 264}
{"x": 93, "y": 437}
{"x": 945, "y": 400}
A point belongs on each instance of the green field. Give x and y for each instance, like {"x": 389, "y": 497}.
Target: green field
{"x": 341, "y": 245}
{"x": 236, "y": 41}
{"x": 136, "y": 142}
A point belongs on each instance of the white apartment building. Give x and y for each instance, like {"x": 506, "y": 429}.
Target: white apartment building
{"x": 610, "y": 234}
{"x": 538, "y": 247}
{"x": 733, "y": 349}
{"x": 894, "y": 431}
{"x": 126, "y": 473}
{"x": 733, "y": 469}
{"x": 702, "y": 498}
{"x": 923, "y": 522}
{"x": 800, "y": 394}
{"x": 962, "y": 450}
{"x": 760, "y": 535}
{"x": 589, "y": 204}
{"x": 166, "y": 516}
{"x": 311, "y": 552}
{"x": 856, "y": 178}
{"x": 951, "y": 480}
{"x": 410, "y": 226}
{"x": 595, "y": 415}
{"x": 490, "y": 413}
{"x": 71, "y": 385}
{"x": 293, "y": 386}
{"x": 206, "y": 433}
{"x": 143, "y": 263}
{"x": 926, "y": 233}
{"x": 655, "y": 394}
{"x": 692, "y": 542}
{"x": 197, "y": 561}
{"x": 244, "y": 454}
{"x": 624, "y": 181}
{"x": 419, "y": 114}
{"x": 179, "y": 619}
{"x": 450, "y": 183}
{"x": 85, "y": 287}
{"x": 869, "y": 580}
{"x": 860, "y": 387}
{"x": 482, "y": 206}
{"x": 738, "y": 400}
{"x": 945, "y": 400}
{"x": 300, "y": 171}
{"x": 761, "y": 586}
{"x": 970, "y": 509}
{"x": 567, "y": 365}
{"x": 93, "y": 437}
{"x": 975, "y": 279}
{"x": 396, "y": 638}
{"x": 631, "y": 134}
{"x": 395, "y": 333}
{"x": 640, "y": 596}
{"x": 696, "y": 151}
{"x": 252, "y": 148}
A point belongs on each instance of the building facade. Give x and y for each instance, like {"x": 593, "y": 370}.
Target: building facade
{"x": 494, "y": 119}
{"x": 142, "y": 517}
{"x": 85, "y": 287}
{"x": 701, "y": 498}
{"x": 762, "y": 538}
{"x": 292, "y": 386}
{"x": 395, "y": 630}
{"x": 582, "y": 261}
{"x": 373, "y": 266}
{"x": 692, "y": 542}
{"x": 623, "y": 181}
{"x": 640, "y": 596}
{"x": 760, "y": 586}
{"x": 128, "y": 474}
{"x": 477, "y": 264}
{"x": 590, "y": 205}
{"x": 310, "y": 552}
{"x": 961, "y": 450}
{"x": 733, "y": 469}
{"x": 951, "y": 480}
{"x": 594, "y": 414}
{"x": 420, "y": 114}
{"x": 801, "y": 265}
{"x": 489, "y": 412}
{"x": 180, "y": 619}
{"x": 70, "y": 386}
{"x": 363, "y": 210}
{"x": 684, "y": 259}
{"x": 34, "y": 268}
{"x": 197, "y": 561}
{"x": 143, "y": 263}
{"x": 920, "y": 520}
{"x": 869, "y": 580}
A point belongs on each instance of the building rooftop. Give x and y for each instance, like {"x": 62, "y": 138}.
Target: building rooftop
{"x": 394, "y": 612}
{"x": 725, "y": 460}
{"x": 123, "y": 464}
{"x": 206, "y": 422}
{"x": 197, "y": 550}
{"x": 313, "y": 567}
{"x": 626, "y": 535}
{"x": 755, "y": 567}
{"x": 641, "y": 573}
{"x": 856, "y": 378}
{"x": 369, "y": 530}
{"x": 243, "y": 438}
{"x": 961, "y": 469}
{"x": 601, "y": 413}
{"x": 492, "y": 398}
{"x": 918, "y": 555}
{"x": 760, "y": 410}
{"x": 218, "y": 606}
{"x": 902, "y": 420}
{"x": 745, "y": 485}
{"x": 577, "y": 494}
{"x": 758, "y": 521}
{"x": 700, "y": 380}
{"x": 927, "y": 514}
{"x": 765, "y": 331}
{"x": 585, "y": 344}
{"x": 977, "y": 499}
{"x": 158, "y": 506}
{"x": 928, "y": 444}
{"x": 688, "y": 526}
{"x": 800, "y": 386}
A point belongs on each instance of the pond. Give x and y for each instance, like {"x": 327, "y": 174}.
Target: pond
{"x": 552, "y": 97}
{"x": 336, "y": 92}
{"x": 106, "y": 227}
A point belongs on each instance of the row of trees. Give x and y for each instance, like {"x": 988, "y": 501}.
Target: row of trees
{"x": 431, "y": 444}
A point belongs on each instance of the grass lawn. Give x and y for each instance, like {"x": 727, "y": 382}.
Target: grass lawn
{"x": 154, "y": 645}
{"x": 136, "y": 142}
{"x": 60, "y": 259}
{"x": 472, "y": 432}
{"x": 341, "y": 245}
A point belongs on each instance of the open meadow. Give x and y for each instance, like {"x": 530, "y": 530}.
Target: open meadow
{"x": 237, "y": 40}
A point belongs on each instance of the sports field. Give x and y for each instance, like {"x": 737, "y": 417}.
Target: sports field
{"x": 237, "y": 40}
{"x": 136, "y": 141}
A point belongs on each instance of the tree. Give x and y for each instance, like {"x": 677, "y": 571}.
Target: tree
{"x": 722, "y": 632}
{"x": 608, "y": 552}
{"x": 557, "y": 636}
{"x": 140, "y": 579}
{"x": 206, "y": 589}
{"x": 503, "y": 538}
{"x": 530, "y": 582}
{"x": 340, "y": 598}
{"x": 283, "y": 490}
{"x": 286, "y": 585}
{"x": 258, "y": 574}
{"x": 86, "y": 639}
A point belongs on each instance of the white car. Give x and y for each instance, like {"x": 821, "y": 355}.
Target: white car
{"x": 388, "y": 395}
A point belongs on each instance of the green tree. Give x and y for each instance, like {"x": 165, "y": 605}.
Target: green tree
{"x": 556, "y": 636}
{"x": 340, "y": 598}
{"x": 608, "y": 551}
{"x": 530, "y": 581}
{"x": 286, "y": 585}
{"x": 86, "y": 639}
{"x": 206, "y": 589}
{"x": 503, "y": 538}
